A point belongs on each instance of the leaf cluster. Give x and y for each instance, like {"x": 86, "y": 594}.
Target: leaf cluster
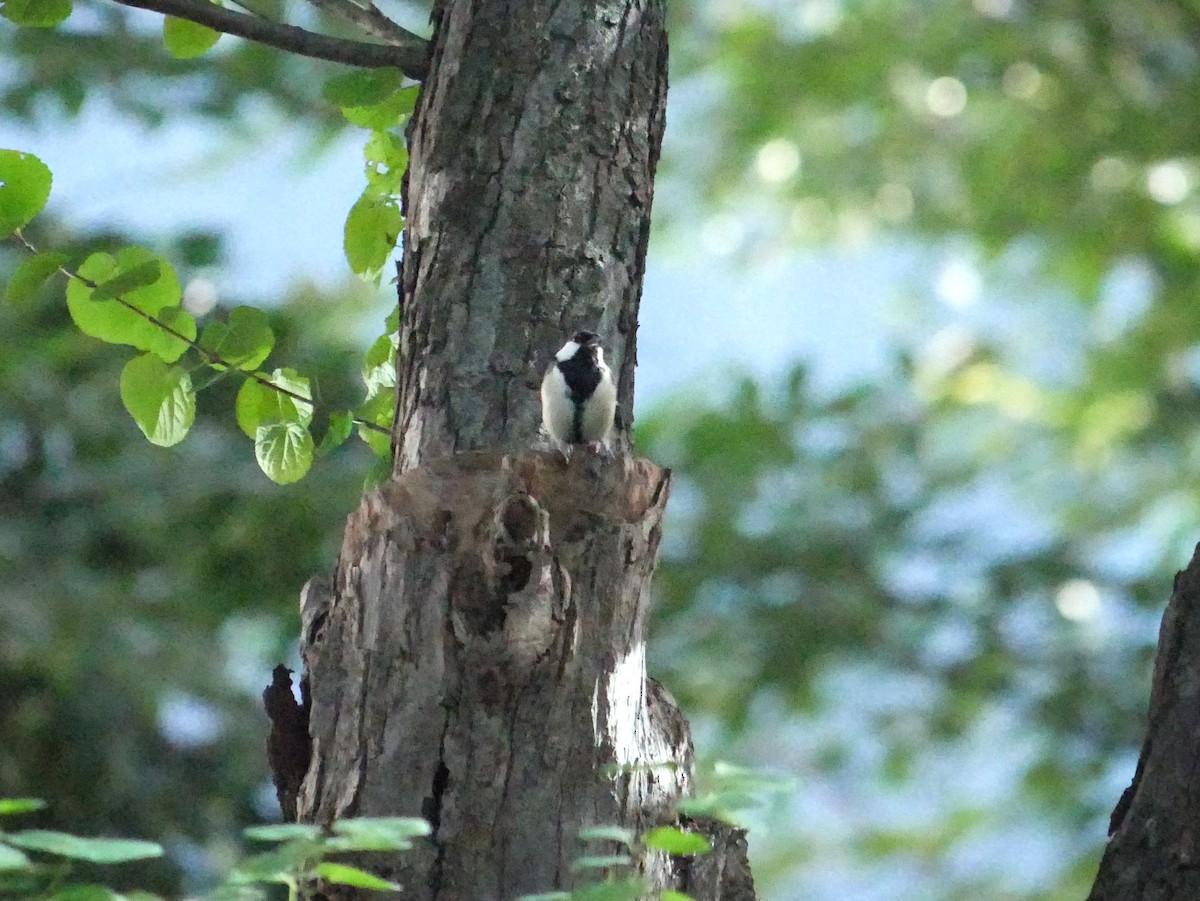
{"x": 134, "y": 298}
{"x": 303, "y": 858}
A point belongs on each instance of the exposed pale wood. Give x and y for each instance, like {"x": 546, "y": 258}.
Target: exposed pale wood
{"x": 479, "y": 657}
{"x": 482, "y": 665}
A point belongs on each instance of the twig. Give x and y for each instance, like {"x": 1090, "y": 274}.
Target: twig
{"x": 367, "y": 17}
{"x": 210, "y": 357}
{"x": 406, "y": 51}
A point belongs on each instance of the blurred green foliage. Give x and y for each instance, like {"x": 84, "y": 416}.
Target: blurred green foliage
{"x": 144, "y": 593}
{"x": 931, "y": 597}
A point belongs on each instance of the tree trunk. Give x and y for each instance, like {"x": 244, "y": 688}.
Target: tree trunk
{"x": 532, "y": 155}
{"x": 478, "y": 657}
{"x": 1153, "y": 852}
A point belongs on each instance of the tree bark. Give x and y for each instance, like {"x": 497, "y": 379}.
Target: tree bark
{"x": 532, "y": 155}
{"x": 478, "y": 658}
{"x": 1153, "y": 852}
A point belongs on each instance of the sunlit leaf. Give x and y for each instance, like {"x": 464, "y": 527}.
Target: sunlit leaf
{"x": 37, "y": 13}
{"x": 379, "y": 365}
{"x": 282, "y": 832}
{"x": 11, "y": 806}
{"x": 284, "y": 451}
{"x": 160, "y": 399}
{"x": 380, "y": 410}
{"x": 185, "y": 39}
{"x": 24, "y": 187}
{"x": 676, "y": 841}
{"x": 244, "y": 341}
{"x": 128, "y": 320}
{"x": 127, "y": 280}
{"x": 343, "y": 874}
{"x": 373, "y": 227}
{"x": 364, "y": 87}
{"x": 257, "y": 403}
{"x": 387, "y": 113}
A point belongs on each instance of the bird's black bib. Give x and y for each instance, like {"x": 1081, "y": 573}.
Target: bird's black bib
{"x": 582, "y": 375}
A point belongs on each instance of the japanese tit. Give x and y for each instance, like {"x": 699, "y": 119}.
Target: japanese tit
{"x": 579, "y": 398}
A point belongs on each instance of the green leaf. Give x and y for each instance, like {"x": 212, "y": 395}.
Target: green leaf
{"x": 10, "y": 806}
{"x": 24, "y": 187}
{"x": 387, "y": 148}
{"x": 601, "y": 861}
{"x": 607, "y": 834}
{"x": 128, "y": 280}
{"x": 282, "y": 832}
{"x": 124, "y": 321}
{"x": 621, "y": 890}
{"x": 257, "y": 404}
{"x": 387, "y": 113}
{"x": 342, "y": 874}
{"x": 280, "y": 864}
{"x": 672, "y": 895}
{"x": 387, "y": 161}
{"x": 160, "y": 399}
{"x": 676, "y": 841}
{"x": 93, "y": 850}
{"x": 723, "y": 806}
{"x": 89, "y": 892}
{"x": 12, "y": 859}
{"x": 341, "y": 424}
{"x": 547, "y": 896}
{"x": 31, "y": 274}
{"x": 284, "y": 451}
{"x": 243, "y": 342}
{"x": 373, "y": 227}
{"x": 186, "y": 40}
{"x": 377, "y": 833}
{"x": 379, "y": 366}
{"x": 378, "y": 409}
{"x": 365, "y": 87}
{"x": 38, "y": 13}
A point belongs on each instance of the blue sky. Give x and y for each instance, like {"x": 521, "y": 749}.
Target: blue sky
{"x": 282, "y": 207}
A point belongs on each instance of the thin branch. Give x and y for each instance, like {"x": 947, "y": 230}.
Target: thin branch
{"x": 367, "y": 17}
{"x": 407, "y": 52}
{"x": 210, "y": 357}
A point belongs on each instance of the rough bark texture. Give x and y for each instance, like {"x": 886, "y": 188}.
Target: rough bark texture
{"x": 479, "y": 661}
{"x": 478, "y": 658}
{"x": 1153, "y": 852}
{"x": 533, "y": 150}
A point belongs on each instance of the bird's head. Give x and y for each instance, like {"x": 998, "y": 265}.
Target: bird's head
{"x": 580, "y": 341}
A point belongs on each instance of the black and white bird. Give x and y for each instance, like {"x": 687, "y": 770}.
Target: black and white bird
{"x": 579, "y": 398}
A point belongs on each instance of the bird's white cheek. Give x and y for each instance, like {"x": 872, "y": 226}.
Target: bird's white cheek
{"x": 568, "y": 350}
